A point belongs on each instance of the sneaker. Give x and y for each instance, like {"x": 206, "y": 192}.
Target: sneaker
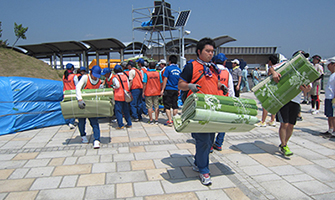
{"x": 119, "y": 128}
{"x": 299, "y": 118}
{"x": 326, "y": 133}
{"x": 261, "y": 124}
{"x": 114, "y": 120}
{"x": 84, "y": 140}
{"x": 156, "y": 122}
{"x": 273, "y": 123}
{"x": 195, "y": 168}
{"x": 286, "y": 151}
{"x": 304, "y": 102}
{"x": 127, "y": 126}
{"x": 136, "y": 120}
{"x": 96, "y": 144}
{"x": 211, "y": 151}
{"x": 71, "y": 126}
{"x": 151, "y": 122}
{"x": 217, "y": 147}
{"x": 312, "y": 110}
{"x": 168, "y": 123}
{"x": 205, "y": 179}
{"x": 315, "y": 112}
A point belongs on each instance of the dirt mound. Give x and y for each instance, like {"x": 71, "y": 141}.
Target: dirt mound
{"x": 13, "y": 63}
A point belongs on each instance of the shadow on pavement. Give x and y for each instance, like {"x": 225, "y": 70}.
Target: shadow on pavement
{"x": 181, "y": 169}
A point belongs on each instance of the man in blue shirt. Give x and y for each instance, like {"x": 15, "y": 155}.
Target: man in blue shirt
{"x": 170, "y": 88}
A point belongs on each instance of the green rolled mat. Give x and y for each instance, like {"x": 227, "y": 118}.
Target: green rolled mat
{"x": 215, "y": 116}
{"x": 192, "y": 126}
{"x": 90, "y": 94}
{"x": 227, "y": 108}
{"x": 296, "y": 72}
{"x": 92, "y": 109}
{"x": 219, "y": 102}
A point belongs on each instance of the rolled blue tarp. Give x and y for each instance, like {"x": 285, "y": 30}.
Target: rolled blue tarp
{"x": 27, "y": 103}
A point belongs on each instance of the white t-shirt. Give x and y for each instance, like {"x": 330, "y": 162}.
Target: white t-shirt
{"x": 82, "y": 83}
{"x": 330, "y": 88}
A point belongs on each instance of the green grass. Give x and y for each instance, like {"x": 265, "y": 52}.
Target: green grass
{"x": 13, "y": 63}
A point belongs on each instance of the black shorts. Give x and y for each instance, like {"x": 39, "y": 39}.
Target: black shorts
{"x": 288, "y": 113}
{"x": 170, "y": 99}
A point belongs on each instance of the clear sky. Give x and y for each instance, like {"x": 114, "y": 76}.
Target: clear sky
{"x": 289, "y": 25}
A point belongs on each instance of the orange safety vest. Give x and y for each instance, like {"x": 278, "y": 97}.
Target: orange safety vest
{"x": 110, "y": 82}
{"x": 209, "y": 85}
{"x": 153, "y": 87}
{"x": 119, "y": 93}
{"x": 224, "y": 78}
{"x": 69, "y": 83}
{"x": 89, "y": 85}
{"x": 137, "y": 81}
{"x": 162, "y": 72}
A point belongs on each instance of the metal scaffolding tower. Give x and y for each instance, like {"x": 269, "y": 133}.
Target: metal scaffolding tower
{"x": 158, "y": 24}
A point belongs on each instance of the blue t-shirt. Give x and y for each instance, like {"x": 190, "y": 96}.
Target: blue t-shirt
{"x": 172, "y": 74}
{"x": 145, "y": 78}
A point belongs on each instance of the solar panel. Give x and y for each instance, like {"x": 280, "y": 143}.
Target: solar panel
{"x": 182, "y": 18}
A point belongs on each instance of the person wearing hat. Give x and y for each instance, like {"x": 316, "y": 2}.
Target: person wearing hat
{"x": 107, "y": 72}
{"x": 89, "y": 81}
{"x": 226, "y": 80}
{"x": 244, "y": 81}
{"x": 237, "y": 76}
{"x": 141, "y": 65}
{"x": 315, "y": 91}
{"x": 81, "y": 72}
{"x": 136, "y": 89}
{"x": 121, "y": 83}
{"x": 255, "y": 76}
{"x": 330, "y": 99}
{"x": 69, "y": 83}
{"x": 152, "y": 86}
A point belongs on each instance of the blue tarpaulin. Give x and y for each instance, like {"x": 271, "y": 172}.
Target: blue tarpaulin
{"x": 28, "y": 103}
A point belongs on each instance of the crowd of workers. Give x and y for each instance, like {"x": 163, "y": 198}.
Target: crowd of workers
{"x": 207, "y": 74}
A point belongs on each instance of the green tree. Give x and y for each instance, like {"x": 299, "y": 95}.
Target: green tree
{"x": 19, "y": 32}
{"x": 2, "y": 43}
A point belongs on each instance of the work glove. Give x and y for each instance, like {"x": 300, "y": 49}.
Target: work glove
{"x": 224, "y": 89}
{"x": 194, "y": 87}
{"x": 81, "y": 104}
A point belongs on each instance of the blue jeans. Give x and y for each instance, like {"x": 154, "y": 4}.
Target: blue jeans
{"x": 136, "y": 104}
{"x": 70, "y": 121}
{"x": 95, "y": 126}
{"x": 219, "y": 139}
{"x": 203, "y": 144}
{"x": 119, "y": 107}
{"x": 144, "y": 107}
{"x": 255, "y": 82}
{"x": 244, "y": 83}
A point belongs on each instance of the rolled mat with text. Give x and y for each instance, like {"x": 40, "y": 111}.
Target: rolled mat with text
{"x": 99, "y": 103}
{"x": 294, "y": 73}
{"x": 204, "y": 113}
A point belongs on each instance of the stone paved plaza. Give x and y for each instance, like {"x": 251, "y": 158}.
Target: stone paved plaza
{"x": 155, "y": 162}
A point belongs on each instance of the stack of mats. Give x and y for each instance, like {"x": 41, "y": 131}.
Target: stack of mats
{"x": 99, "y": 103}
{"x": 294, "y": 73}
{"x": 28, "y": 103}
{"x": 204, "y": 113}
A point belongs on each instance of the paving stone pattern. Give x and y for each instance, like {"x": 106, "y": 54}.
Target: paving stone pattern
{"x": 155, "y": 162}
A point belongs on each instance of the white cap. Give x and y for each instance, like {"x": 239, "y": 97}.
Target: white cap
{"x": 246, "y": 67}
{"x": 162, "y": 61}
{"x": 331, "y": 60}
{"x": 236, "y": 61}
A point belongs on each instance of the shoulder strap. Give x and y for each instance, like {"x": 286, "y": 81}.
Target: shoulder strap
{"x": 120, "y": 81}
{"x": 203, "y": 73}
